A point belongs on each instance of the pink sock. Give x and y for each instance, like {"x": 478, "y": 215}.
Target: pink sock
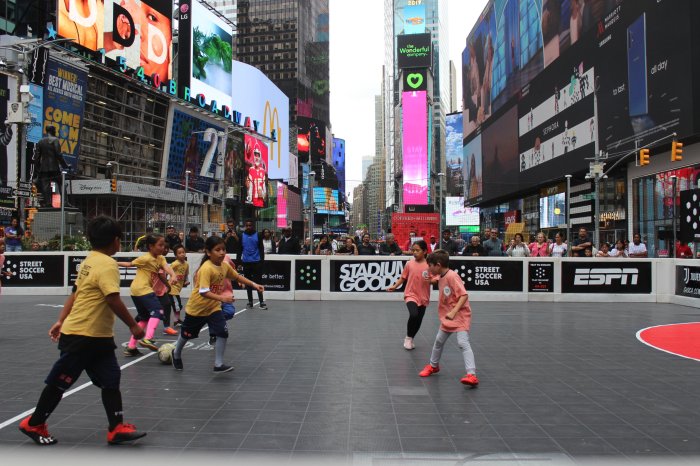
{"x": 132, "y": 340}
{"x": 151, "y": 329}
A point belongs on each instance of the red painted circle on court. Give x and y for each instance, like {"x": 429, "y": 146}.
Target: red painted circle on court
{"x": 679, "y": 339}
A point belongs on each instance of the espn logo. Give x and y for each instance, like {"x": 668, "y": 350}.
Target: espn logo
{"x": 606, "y": 276}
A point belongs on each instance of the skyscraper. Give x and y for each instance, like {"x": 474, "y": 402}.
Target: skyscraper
{"x": 406, "y": 17}
{"x": 288, "y": 41}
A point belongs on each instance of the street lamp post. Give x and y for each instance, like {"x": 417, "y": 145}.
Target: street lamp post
{"x": 312, "y": 175}
{"x": 63, "y": 205}
{"x": 116, "y": 192}
{"x": 672, "y": 249}
{"x": 187, "y": 189}
{"x": 568, "y": 214}
{"x": 441, "y": 178}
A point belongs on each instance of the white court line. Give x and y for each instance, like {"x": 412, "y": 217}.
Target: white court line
{"x": 639, "y": 337}
{"x": 87, "y": 384}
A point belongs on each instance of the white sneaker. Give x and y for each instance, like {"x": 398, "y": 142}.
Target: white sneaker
{"x": 408, "y": 343}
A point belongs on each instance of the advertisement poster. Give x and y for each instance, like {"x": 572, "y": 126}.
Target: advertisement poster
{"x": 195, "y": 145}
{"x": 458, "y": 215}
{"x": 8, "y": 136}
{"x": 211, "y": 50}
{"x": 473, "y": 170}
{"x": 64, "y": 102}
{"x": 339, "y": 165}
{"x": 311, "y": 140}
{"x": 688, "y": 281}
{"x": 36, "y": 110}
{"x": 33, "y": 270}
{"x": 256, "y": 171}
{"x": 453, "y": 153}
{"x": 414, "y": 51}
{"x": 421, "y": 225}
{"x": 365, "y": 275}
{"x": 626, "y": 277}
{"x": 540, "y": 278}
{"x": 414, "y": 19}
{"x": 234, "y": 168}
{"x": 255, "y": 96}
{"x": 276, "y": 275}
{"x": 499, "y": 147}
{"x": 326, "y": 201}
{"x": 489, "y": 275}
{"x": 415, "y": 147}
{"x": 282, "y": 191}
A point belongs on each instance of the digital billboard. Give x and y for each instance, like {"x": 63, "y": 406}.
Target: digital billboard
{"x": 458, "y": 215}
{"x": 64, "y": 101}
{"x": 138, "y": 33}
{"x": 326, "y": 201}
{"x": 415, "y": 80}
{"x": 339, "y": 165}
{"x": 414, "y": 19}
{"x": 415, "y": 147}
{"x": 453, "y": 153}
{"x": 473, "y": 172}
{"x": 194, "y": 144}
{"x": 8, "y": 139}
{"x": 234, "y": 167}
{"x": 255, "y": 96}
{"x": 282, "y": 191}
{"x": 414, "y": 51}
{"x": 499, "y": 149}
{"x": 256, "y": 162}
{"x": 311, "y": 139}
{"x": 553, "y": 211}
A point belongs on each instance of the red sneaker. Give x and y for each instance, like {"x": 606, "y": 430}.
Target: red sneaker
{"x": 39, "y": 434}
{"x": 470, "y": 379}
{"x": 123, "y": 433}
{"x": 170, "y": 331}
{"x": 429, "y": 370}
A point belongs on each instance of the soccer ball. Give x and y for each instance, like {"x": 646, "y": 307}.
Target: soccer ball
{"x": 165, "y": 353}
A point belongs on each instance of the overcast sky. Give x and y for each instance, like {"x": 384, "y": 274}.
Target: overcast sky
{"x": 356, "y": 59}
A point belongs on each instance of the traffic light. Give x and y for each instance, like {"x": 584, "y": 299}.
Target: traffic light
{"x": 643, "y": 157}
{"x": 114, "y": 185}
{"x": 676, "y": 151}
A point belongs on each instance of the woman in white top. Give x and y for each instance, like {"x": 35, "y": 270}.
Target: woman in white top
{"x": 268, "y": 243}
{"x": 558, "y": 248}
{"x": 618, "y": 250}
{"x": 517, "y": 247}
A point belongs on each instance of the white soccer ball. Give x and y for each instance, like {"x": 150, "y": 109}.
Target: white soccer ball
{"x": 165, "y": 353}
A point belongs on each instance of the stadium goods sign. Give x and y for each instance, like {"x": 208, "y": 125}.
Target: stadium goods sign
{"x": 614, "y": 277}
{"x": 365, "y": 276}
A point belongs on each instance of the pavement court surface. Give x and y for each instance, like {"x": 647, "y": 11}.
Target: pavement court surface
{"x": 330, "y": 382}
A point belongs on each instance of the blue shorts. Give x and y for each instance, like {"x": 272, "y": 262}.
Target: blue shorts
{"x": 101, "y": 366}
{"x": 147, "y": 306}
{"x": 229, "y": 310}
{"x": 193, "y": 324}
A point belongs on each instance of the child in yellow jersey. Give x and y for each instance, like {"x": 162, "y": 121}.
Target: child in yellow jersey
{"x": 148, "y": 308}
{"x": 182, "y": 273}
{"x": 85, "y": 335}
{"x": 204, "y": 306}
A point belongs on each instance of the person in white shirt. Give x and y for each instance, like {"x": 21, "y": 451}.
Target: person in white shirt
{"x": 517, "y": 247}
{"x": 618, "y": 250}
{"x": 558, "y": 248}
{"x": 636, "y": 247}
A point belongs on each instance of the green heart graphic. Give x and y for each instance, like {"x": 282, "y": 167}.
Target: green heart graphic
{"x": 414, "y": 80}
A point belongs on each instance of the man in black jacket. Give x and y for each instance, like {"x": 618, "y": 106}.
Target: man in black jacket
{"x": 447, "y": 243}
{"x": 289, "y": 244}
{"x": 231, "y": 239}
{"x": 48, "y": 165}
{"x": 389, "y": 247}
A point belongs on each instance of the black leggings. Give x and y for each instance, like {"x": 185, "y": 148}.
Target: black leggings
{"x": 415, "y": 318}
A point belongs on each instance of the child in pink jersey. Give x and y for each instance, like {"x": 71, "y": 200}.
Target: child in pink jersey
{"x": 417, "y": 292}
{"x": 455, "y": 317}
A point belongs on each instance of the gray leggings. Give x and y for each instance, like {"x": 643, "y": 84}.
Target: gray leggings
{"x": 462, "y": 341}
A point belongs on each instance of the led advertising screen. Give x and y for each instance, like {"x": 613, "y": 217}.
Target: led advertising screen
{"x": 256, "y": 162}
{"x": 326, "y": 201}
{"x": 415, "y": 147}
{"x": 458, "y": 215}
{"x": 8, "y": 141}
{"x": 473, "y": 173}
{"x": 234, "y": 167}
{"x": 499, "y": 148}
{"x": 282, "y": 191}
{"x": 339, "y": 165}
{"x": 414, "y": 51}
{"x": 414, "y": 19}
{"x": 139, "y": 32}
{"x": 255, "y": 96}
{"x": 194, "y": 144}
{"x": 553, "y": 211}
{"x": 311, "y": 139}
{"x": 211, "y": 55}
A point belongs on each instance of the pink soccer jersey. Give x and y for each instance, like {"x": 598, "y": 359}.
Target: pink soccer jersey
{"x": 451, "y": 289}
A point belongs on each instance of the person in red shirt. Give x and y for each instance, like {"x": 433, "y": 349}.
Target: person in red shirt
{"x": 455, "y": 315}
{"x": 683, "y": 251}
{"x": 417, "y": 291}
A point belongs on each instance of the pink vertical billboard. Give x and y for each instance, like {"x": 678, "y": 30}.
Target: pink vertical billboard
{"x": 282, "y": 205}
{"x": 415, "y": 147}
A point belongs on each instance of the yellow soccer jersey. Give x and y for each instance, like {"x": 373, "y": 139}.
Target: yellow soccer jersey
{"x": 181, "y": 270}
{"x": 209, "y": 277}
{"x": 147, "y": 268}
{"x": 90, "y": 315}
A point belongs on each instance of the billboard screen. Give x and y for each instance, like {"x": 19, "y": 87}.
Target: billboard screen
{"x": 553, "y": 211}
{"x": 339, "y": 165}
{"x": 473, "y": 170}
{"x": 499, "y": 148}
{"x": 326, "y": 201}
{"x": 282, "y": 205}
{"x": 311, "y": 139}
{"x": 415, "y": 147}
{"x": 458, "y": 215}
{"x": 8, "y": 145}
{"x": 453, "y": 153}
{"x": 139, "y": 32}
{"x": 256, "y": 162}
{"x": 414, "y": 51}
{"x": 194, "y": 145}
{"x": 64, "y": 102}
{"x": 257, "y": 97}
{"x": 414, "y": 19}
{"x": 208, "y": 68}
